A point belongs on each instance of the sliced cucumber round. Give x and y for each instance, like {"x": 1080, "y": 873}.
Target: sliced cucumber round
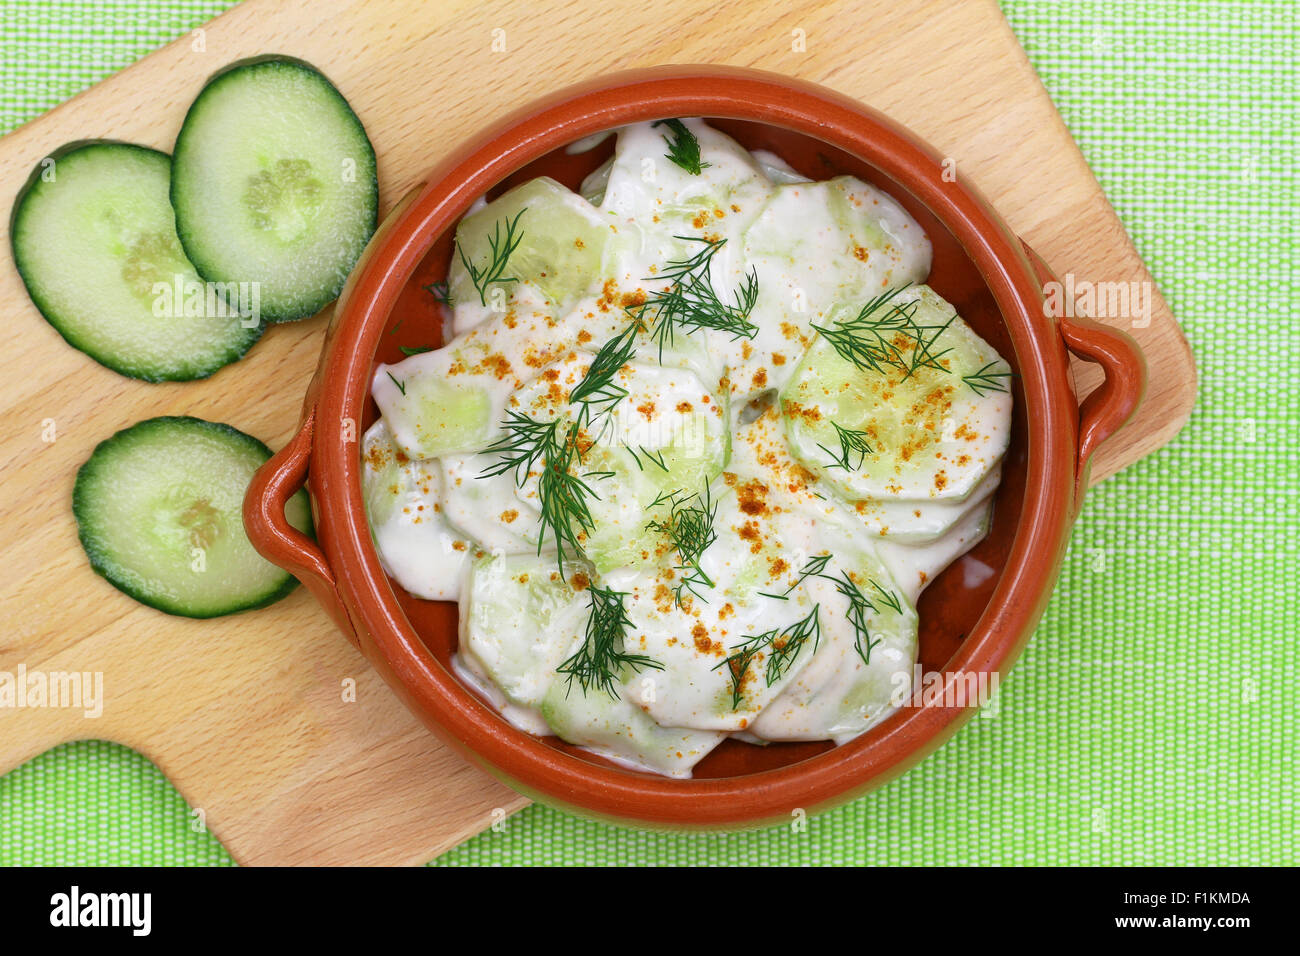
{"x": 668, "y": 438}
{"x": 816, "y": 245}
{"x": 433, "y": 411}
{"x": 274, "y": 183}
{"x": 159, "y": 511}
{"x": 710, "y": 639}
{"x": 922, "y": 433}
{"x": 865, "y": 660}
{"x": 416, "y": 544}
{"x": 521, "y": 620}
{"x": 95, "y": 243}
{"x": 619, "y": 730}
{"x": 538, "y": 233}
{"x": 649, "y": 194}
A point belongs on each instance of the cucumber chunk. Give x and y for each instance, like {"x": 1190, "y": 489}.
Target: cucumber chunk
{"x": 700, "y": 633}
{"x": 854, "y": 678}
{"x": 520, "y": 621}
{"x": 435, "y": 406}
{"x": 416, "y": 544}
{"x": 932, "y": 436}
{"x": 486, "y": 507}
{"x": 621, "y": 731}
{"x": 274, "y": 182}
{"x": 94, "y": 239}
{"x": 653, "y": 200}
{"x": 814, "y": 246}
{"x": 561, "y": 242}
{"x": 159, "y": 512}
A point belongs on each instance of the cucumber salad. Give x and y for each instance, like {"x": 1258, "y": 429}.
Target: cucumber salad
{"x": 699, "y": 439}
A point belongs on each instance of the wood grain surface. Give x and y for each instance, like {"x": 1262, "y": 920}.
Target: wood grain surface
{"x": 246, "y": 714}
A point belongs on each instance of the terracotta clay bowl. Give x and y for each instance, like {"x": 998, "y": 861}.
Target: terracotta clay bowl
{"x": 975, "y": 617}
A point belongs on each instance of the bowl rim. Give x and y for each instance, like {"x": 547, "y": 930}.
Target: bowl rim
{"x": 339, "y": 392}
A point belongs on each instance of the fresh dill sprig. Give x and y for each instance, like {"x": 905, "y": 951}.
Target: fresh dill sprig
{"x": 852, "y": 442}
{"x": 859, "y": 607}
{"x": 867, "y": 341}
{"x": 683, "y": 147}
{"x": 562, "y": 495}
{"x": 656, "y": 458}
{"x": 602, "y": 656}
{"x": 440, "y": 291}
{"x": 747, "y": 296}
{"x": 401, "y": 386}
{"x": 738, "y": 662}
{"x": 682, "y": 268}
{"x": 501, "y": 248}
{"x": 986, "y": 380}
{"x": 885, "y": 334}
{"x": 597, "y": 386}
{"x": 889, "y": 598}
{"x": 525, "y": 442}
{"x": 415, "y": 349}
{"x": 689, "y": 526}
{"x": 691, "y": 303}
{"x": 813, "y": 568}
{"x": 783, "y": 646}
{"x": 923, "y": 355}
{"x": 787, "y": 646}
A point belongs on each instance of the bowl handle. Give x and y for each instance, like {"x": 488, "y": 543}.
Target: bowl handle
{"x": 1113, "y": 402}
{"x": 280, "y": 542}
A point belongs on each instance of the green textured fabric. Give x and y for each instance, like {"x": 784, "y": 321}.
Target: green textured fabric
{"x": 1153, "y": 717}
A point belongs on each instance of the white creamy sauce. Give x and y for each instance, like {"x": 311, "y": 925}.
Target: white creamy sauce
{"x": 416, "y": 544}
{"x": 767, "y": 567}
{"x": 486, "y": 509}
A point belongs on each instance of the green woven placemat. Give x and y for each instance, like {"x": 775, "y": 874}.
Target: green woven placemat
{"x": 1152, "y": 719}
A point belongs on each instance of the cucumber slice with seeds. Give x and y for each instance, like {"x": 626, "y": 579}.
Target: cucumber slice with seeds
{"x": 434, "y": 405}
{"x": 159, "y": 511}
{"x": 521, "y": 621}
{"x": 561, "y": 243}
{"x": 932, "y": 435}
{"x": 94, "y": 239}
{"x": 274, "y": 183}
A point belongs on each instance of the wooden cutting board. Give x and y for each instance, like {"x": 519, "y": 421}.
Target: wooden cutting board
{"x": 247, "y": 715}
